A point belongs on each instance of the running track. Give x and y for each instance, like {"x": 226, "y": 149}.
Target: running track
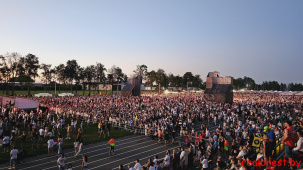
{"x": 127, "y": 150}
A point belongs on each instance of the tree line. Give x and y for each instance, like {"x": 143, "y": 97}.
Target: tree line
{"x": 24, "y": 69}
{"x": 249, "y": 84}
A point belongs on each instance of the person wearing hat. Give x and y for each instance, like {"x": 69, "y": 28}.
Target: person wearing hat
{"x": 272, "y": 138}
{"x": 289, "y": 139}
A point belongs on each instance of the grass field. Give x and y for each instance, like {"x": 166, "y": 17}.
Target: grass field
{"x": 89, "y": 136}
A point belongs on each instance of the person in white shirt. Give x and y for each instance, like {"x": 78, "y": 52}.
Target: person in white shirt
{"x": 14, "y": 154}
{"x": 6, "y": 143}
{"x": 41, "y": 133}
{"x": 182, "y": 157}
{"x": 50, "y": 145}
{"x": 299, "y": 149}
{"x": 241, "y": 153}
{"x": 156, "y": 159}
{"x": 137, "y": 165}
{"x": 130, "y": 167}
{"x": 204, "y": 162}
{"x": 166, "y": 160}
{"x": 61, "y": 162}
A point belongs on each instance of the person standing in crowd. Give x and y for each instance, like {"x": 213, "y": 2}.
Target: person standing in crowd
{"x": 267, "y": 148}
{"x": 60, "y": 143}
{"x": 272, "y": 138}
{"x": 108, "y": 127}
{"x": 76, "y": 146}
{"x": 6, "y": 143}
{"x": 129, "y": 167}
{"x": 112, "y": 146}
{"x": 84, "y": 163}
{"x": 70, "y": 167}
{"x": 182, "y": 158}
{"x": 79, "y": 135}
{"x": 34, "y": 138}
{"x": 80, "y": 147}
{"x": 13, "y": 160}
{"x": 68, "y": 132}
{"x": 50, "y": 146}
{"x": 299, "y": 148}
{"x": 121, "y": 167}
{"x": 61, "y": 162}
{"x": 137, "y": 165}
{"x": 289, "y": 140}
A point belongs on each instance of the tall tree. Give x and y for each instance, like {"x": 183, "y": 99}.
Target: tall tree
{"x": 141, "y": 71}
{"x": 89, "y": 73}
{"x": 5, "y": 72}
{"x": 10, "y": 66}
{"x": 47, "y": 73}
{"x": 60, "y": 75}
{"x": 151, "y": 78}
{"x": 29, "y": 66}
{"x": 100, "y": 74}
{"x": 71, "y": 71}
{"x": 116, "y": 75}
{"x": 188, "y": 78}
{"x": 161, "y": 79}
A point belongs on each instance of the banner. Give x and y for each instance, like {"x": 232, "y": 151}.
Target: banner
{"x": 256, "y": 142}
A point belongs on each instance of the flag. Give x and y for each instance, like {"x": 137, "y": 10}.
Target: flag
{"x": 112, "y": 140}
{"x": 256, "y": 142}
{"x": 225, "y": 148}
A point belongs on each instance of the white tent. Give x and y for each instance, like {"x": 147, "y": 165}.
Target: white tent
{"x": 299, "y": 94}
{"x": 286, "y": 93}
{"x": 43, "y": 95}
{"x": 65, "y": 94}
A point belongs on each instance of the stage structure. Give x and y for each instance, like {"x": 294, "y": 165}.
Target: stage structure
{"x": 218, "y": 89}
{"x": 18, "y": 102}
{"x": 133, "y": 87}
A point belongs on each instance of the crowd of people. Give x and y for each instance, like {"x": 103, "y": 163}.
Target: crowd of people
{"x": 164, "y": 117}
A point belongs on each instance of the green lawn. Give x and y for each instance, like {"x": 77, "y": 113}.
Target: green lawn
{"x": 89, "y": 136}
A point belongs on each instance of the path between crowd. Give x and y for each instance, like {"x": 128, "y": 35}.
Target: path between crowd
{"x": 127, "y": 150}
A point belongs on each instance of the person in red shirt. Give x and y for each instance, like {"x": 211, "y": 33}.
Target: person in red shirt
{"x": 203, "y": 135}
{"x": 79, "y": 134}
{"x": 289, "y": 139}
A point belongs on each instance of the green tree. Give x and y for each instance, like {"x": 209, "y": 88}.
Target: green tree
{"x": 89, "y": 74}
{"x": 100, "y": 74}
{"x": 47, "y": 74}
{"x": 60, "y": 75}
{"x": 141, "y": 71}
{"x": 28, "y": 69}
{"x": 188, "y": 78}
{"x": 71, "y": 71}
{"x": 151, "y": 78}
{"x": 161, "y": 79}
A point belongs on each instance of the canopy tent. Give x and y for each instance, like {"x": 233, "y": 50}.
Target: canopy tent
{"x": 287, "y": 93}
{"x": 65, "y": 94}
{"x": 21, "y": 103}
{"x": 299, "y": 94}
{"x": 43, "y": 95}
{"x": 25, "y": 103}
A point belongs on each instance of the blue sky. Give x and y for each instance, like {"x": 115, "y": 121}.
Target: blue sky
{"x": 260, "y": 39}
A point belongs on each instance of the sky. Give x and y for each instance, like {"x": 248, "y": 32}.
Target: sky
{"x": 259, "y": 39}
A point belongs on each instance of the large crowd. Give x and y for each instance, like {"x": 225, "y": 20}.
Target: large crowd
{"x": 165, "y": 118}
